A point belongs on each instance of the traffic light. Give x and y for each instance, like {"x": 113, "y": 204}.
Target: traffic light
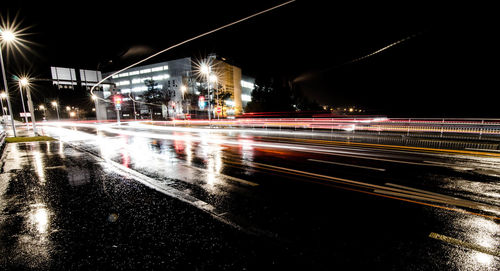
{"x": 117, "y": 100}
{"x": 201, "y": 102}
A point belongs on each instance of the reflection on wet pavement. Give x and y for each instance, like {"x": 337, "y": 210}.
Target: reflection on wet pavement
{"x": 60, "y": 210}
{"x": 310, "y": 218}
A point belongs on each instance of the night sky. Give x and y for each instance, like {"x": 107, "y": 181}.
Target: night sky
{"x": 445, "y": 67}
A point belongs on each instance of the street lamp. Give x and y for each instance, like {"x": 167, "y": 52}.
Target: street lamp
{"x": 54, "y": 104}
{"x": 42, "y": 107}
{"x": 24, "y": 82}
{"x": 205, "y": 69}
{"x": 7, "y": 36}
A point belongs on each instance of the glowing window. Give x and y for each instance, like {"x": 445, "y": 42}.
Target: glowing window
{"x": 247, "y": 84}
{"x": 246, "y": 98}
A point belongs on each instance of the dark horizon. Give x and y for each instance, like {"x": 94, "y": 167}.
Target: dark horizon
{"x": 441, "y": 71}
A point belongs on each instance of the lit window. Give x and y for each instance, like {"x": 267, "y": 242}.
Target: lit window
{"x": 133, "y": 73}
{"x": 246, "y": 98}
{"x": 247, "y": 84}
{"x": 157, "y": 69}
{"x": 165, "y": 67}
{"x": 139, "y": 89}
{"x": 123, "y": 74}
{"x": 146, "y": 71}
{"x": 123, "y": 83}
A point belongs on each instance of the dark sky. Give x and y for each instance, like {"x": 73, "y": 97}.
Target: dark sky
{"x": 446, "y": 69}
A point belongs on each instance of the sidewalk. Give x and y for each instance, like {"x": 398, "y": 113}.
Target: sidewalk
{"x": 21, "y": 129}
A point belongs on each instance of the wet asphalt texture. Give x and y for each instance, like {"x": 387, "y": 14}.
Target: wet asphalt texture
{"x": 63, "y": 209}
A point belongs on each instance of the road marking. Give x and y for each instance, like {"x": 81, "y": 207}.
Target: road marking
{"x": 457, "y": 167}
{"x": 468, "y": 245}
{"x": 347, "y": 165}
{"x": 410, "y": 148}
{"x": 389, "y": 192}
{"x": 485, "y": 150}
{"x": 225, "y": 176}
{"x": 54, "y": 167}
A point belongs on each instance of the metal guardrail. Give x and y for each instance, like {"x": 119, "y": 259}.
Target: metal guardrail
{"x": 466, "y": 128}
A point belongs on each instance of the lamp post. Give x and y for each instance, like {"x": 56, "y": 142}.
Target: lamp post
{"x": 42, "y": 107}
{"x": 7, "y": 36}
{"x": 206, "y": 69}
{"x": 22, "y": 102}
{"x": 184, "y": 90}
{"x": 96, "y": 105}
{"x": 24, "y": 82}
{"x": 213, "y": 78}
{"x": 54, "y": 104}
{"x": 3, "y": 96}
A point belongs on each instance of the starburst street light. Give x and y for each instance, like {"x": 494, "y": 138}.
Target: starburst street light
{"x": 25, "y": 82}
{"x": 6, "y": 38}
{"x": 204, "y": 71}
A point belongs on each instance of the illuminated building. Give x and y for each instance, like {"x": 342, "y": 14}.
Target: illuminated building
{"x": 180, "y": 77}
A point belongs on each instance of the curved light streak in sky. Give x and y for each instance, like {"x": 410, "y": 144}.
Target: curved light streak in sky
{"x": 380, "y": 50}
{"x": 184, "y": 42}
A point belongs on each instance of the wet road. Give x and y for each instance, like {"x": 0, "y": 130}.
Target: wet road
{"x": 112, "y": 197}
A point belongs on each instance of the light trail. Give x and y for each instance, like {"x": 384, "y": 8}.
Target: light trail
{"x": 186, "y": 41}
{"x": 389, "y": 190}
{"x": 346, "y": 165}
{"x": 381, "y": 49}
{"x": 410, "y": 195}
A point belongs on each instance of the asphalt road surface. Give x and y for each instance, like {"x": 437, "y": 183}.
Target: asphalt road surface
{"x": 142, "y": 197}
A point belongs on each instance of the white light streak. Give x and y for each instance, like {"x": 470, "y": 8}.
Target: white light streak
{"x": 186, "y": 41}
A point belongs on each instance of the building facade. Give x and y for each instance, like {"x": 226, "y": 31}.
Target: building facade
{"x": 188, "y": 90}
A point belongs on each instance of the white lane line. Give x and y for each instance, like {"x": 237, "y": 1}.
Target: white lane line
{"x": 457, "y": 167}
{"x": 484, "y": 150}
{"x": 220, "y": 175}
{"x": 487, "y": 250}
{"x": 347, "y": 165}
{"x": 54, "y": 167}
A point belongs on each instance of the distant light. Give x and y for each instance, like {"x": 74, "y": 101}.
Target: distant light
{"x": 54, "y": 103}
{"x": 183, "y": 88}
{"x": 72, "y": 114}
{"x": 3, "y": 95}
